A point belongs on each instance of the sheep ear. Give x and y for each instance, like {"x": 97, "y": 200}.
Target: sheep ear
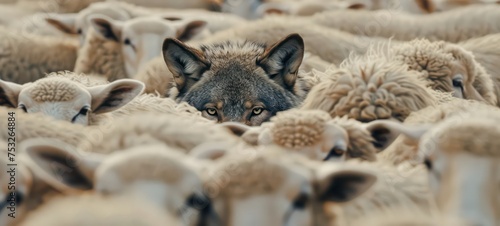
{"x": 59, "y": 165}
{"x": 426, "y": 5}
{"x": 209, "y": 150}
{"x": 109, "y": 97}
{"x": 247, "y": 133}
{"x": 282, "y": 60}
{"x": 64, "y": 22}
{"x": 343, "y": 185}
{"x": 9, "y": 93}
{"x": 273, "y": 8}
{"x": 107, "y": 28}
{"x": 186, "y": 64}
{"x": 384, "y": 132}
{"x": 186, "y": 30}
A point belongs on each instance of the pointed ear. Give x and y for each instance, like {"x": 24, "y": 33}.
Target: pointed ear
{"x": 282, "y": 60}
{"x": 9, "y": 93}
{"x": 106, "y": 27}
{"x": 342, "y": 185}
{"x": 186, "y": 30}
{"x": 64, "y": 22}
{"x": 384, "y": 132}
{"x": 186, "y": 64}
{"x": 109, "y": 97}
{"x": 59, "y": 164}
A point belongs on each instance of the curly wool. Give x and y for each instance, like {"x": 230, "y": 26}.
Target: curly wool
{"x": 53, "y": 90}
{"x": 296, "y": 129}
{"x": 88, "y": 80}
{"x": 371, "y": 87}
{"x": 436, "y": 62}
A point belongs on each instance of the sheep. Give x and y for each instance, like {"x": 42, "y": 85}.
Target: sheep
{"x": 404, "y": 149}
{"x": 486, "y": 52}
{"x": 316, "y": 135}
{"x": 61, "y": 6}
{"x": 451, "y": 26}
{"x": 407, "y": 218}
{"x": 448, "y": 67}
{"x": 89, "y": 209}
{"x": 277, "y": 187}
{"x": 330, "y": 45}
{"x": 26, "y": 58}
{"x": 371, "y": 87}
{"x": 72, "y": 97}
{"x": 456, "y": 161}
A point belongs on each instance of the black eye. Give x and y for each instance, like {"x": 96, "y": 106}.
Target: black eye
{"x": 428, "y": 164}
{"x": 84, "y": 111}
{"x": 21, "y": 106}
{"x": 211, "y": 111}
{"x": 79, "y": 31}
{"x": 257, "y": 111}
{"x": 301, "y": 201}
{"x": 17, "y": 199}
{"x": 127, "y": 42}
{"x": 458, "y": 83}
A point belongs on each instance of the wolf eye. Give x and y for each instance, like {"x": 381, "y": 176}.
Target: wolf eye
{"x": 212, "y": 111}
{"x": 257, "y": 111}
{"x": 21, "y": 106}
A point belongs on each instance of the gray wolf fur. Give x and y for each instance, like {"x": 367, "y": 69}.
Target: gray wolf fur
{"x": 238, "y": 81}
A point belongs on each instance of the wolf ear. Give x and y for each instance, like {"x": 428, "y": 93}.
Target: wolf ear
{"x": 186, "y": 64}
{"x": 9, "y": 93}
{"x": 282, "y": 60}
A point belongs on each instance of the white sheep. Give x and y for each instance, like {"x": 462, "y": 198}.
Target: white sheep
{"x": 463, "y": 170}
{"x": 27, "y": 57}
{"x": 72, "y": 97}
{"x": 452, "y": 26}
{"x": 371, "y": 87}
{"x": 449, "y": 68}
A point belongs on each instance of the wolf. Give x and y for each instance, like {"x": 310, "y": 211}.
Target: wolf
{"x": 237, "y": 80}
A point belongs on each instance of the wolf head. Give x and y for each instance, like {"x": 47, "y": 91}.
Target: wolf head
{"x": 237, "y": 81}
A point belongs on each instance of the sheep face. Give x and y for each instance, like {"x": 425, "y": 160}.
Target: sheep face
{"x": 67, "y": 100}
{"x": 141, "y": 38}
{"x": 464, "y": 173}
{"x": 237, "y": 81}
{"x": 78, "y": 23}
{"x": 261, "y": 189}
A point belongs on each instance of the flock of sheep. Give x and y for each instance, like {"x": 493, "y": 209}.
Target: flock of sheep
{"x": 250, "y": 112}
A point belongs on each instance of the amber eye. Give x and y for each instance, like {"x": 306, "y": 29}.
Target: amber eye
{"x": 257, "y": 111}
{"x": 212, "y": 111}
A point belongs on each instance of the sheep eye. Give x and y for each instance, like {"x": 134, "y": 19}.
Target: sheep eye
{"x": 21, "y": 106}
{"x": 428, "y": 164}
{"x": 301, "y": 201}
{"x": 79, "y": 31}
{"x": 334, "y": 152}
{"x": 458, "y": 83}
{"x": 127, "y": 41}
{"x": 257, "y": 111}
{"x": 84, "y": 111}
{"x": 212, "y": 111}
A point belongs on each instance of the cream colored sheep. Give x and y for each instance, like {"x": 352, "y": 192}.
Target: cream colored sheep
{"x": 452, "y": 26}
{"x": 26, "y": 58}
{"x": 60, "y": 6}
{"x": 399, "y": 217}
{"x": 313, "y": 133}
{"x": 449, "y": 68}
{"x": 371, "y": 87}
{"x": 463, "y": 170}
{"x": 330, "y": 45}
{"x": 72, "y": 97}
{"x": 91, "y": 209}
{"x": 277, "y": 188}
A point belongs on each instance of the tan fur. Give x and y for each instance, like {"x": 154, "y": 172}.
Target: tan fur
{"x": 360, "y": 140}
{"x": 452, "y": 26}
{"x": 156, "y": 77}
{"x": 437, "y": 61}
{"x": 371, "y": 87}
{"x": 155, "y": 103}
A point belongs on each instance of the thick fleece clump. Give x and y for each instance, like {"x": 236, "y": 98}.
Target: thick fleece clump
{"x": 102, "y": 57}
{"x": 181, "y": 132}
{"x": 35, "y": 125}
{"x": 91, "y": 209}
{"x": 25, "y": 58}
{"x": 452, "y": 26}
{"x": 398, "y": 217}
{"x": 372, "y": 87}
{"x": 405, "y": 149}
{"x": 156, "y": 77}
{"x": 156, "y": 103}
{"x": 59, "y": 6}
{"x": 297, "y": 129}
{"x": 440, "y": 61}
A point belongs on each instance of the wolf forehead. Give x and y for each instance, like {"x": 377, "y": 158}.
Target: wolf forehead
{"x": 243, "y": 52}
